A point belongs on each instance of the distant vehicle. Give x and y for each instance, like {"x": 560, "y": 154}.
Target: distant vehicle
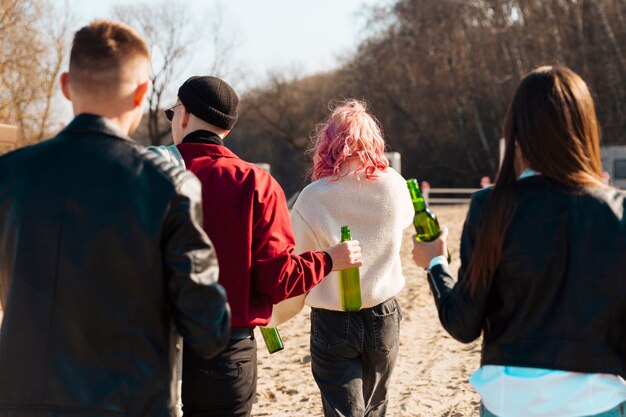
{"x": 614, "y": 163}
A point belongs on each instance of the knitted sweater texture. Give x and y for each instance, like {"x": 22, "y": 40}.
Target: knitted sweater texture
{"x": 377, "y": 211}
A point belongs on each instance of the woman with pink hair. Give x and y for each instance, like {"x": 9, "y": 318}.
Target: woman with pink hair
{"x": 353, "y": 353}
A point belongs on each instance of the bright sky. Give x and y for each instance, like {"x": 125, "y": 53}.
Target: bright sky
{"x": 306, "y": 36}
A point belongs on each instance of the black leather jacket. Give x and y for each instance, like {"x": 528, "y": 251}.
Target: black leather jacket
{"x": 102, "y": 258}
{"x": 558, "y": 298}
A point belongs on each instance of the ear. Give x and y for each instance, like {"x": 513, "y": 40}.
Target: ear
{"x": 140, "y": 93}
{"x": 184, "y": 121}
{"x": 65, "y": 85}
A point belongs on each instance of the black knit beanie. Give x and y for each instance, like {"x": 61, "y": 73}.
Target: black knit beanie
{"x": 211, "y": 100}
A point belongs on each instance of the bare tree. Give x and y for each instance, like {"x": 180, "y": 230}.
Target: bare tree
{"x": 440, "y": 73}
{"x": 33, "y": 43}
{"x": 173, "y": 34}
{"x": 222, "y": 42}
{"x": 289, "y": 106}
{"x": 165, "y": 30}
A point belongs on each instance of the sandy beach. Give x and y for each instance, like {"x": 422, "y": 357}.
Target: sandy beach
{"x": 432, "y": 372}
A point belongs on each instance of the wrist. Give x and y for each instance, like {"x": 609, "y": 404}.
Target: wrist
{"x": 438, "y": 260}
{"x": 329, "y": 261}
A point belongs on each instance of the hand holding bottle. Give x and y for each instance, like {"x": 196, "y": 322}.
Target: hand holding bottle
{"x": 349, "y": 281}
{"x": 425, "y": 221}
{"x": 423, "y": 252}
{"x": 345, "y": 255}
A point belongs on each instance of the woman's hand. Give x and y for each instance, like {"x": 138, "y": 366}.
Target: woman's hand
{"x": 346, "y": 255}
{"x": 423, "y": 252}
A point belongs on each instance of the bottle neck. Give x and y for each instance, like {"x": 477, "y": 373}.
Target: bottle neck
{"x": 345, "y": 234}
{"x": 419, "y": 204}
{"x": 416, "y": 196}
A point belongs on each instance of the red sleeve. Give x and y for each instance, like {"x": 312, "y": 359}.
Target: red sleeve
{"x": 276, "y": 271}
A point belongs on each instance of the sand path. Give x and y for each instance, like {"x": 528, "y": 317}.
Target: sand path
{"x": 430, "y": 378}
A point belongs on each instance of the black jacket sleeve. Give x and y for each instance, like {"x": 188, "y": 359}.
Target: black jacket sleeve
{"x": 198, "y": 302}
{"x": 461, "y": 313}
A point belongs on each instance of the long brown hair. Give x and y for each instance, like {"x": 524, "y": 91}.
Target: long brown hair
{"x": 552, "y": 123}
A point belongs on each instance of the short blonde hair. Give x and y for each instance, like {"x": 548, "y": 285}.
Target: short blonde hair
{"x": 101, "y": 51}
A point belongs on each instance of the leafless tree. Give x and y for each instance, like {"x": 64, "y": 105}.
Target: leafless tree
{"x": 174, "y": 35}
{"x": 440, "y": 73}
{"x": 33, "y": 44}
{"x": 288, "y": 107}
{"x": 171, "y": 43}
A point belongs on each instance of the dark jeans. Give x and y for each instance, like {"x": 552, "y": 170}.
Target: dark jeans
{"x": 221, "y": 386}
{"x": 619, "y": 411}
{"x": 352, "y": 356}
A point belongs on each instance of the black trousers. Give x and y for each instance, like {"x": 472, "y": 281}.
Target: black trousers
{"x": 352, "y": 358}
{"x": 221, "y": 386}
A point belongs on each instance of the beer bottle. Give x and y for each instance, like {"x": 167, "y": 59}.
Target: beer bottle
{"x": 425, "y": 222}
{"x": 272, "y": 339}
{"x": 349, "y": 281}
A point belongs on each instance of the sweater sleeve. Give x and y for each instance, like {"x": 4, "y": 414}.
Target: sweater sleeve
{"x": 403, "y": 200}
{"x": 407, "y": 204}
{"x": 305, "y": 240}
{"x": 278, "y": 272}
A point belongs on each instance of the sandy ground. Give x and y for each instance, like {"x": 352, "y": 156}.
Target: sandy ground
{"x": 432, "y": 372}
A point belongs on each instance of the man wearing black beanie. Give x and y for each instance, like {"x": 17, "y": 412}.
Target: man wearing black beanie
{"x": 246, "y": 217}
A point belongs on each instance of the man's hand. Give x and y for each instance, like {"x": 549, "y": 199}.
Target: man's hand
{"x": 423, "y": 252}
{"x": 345, "y": 255}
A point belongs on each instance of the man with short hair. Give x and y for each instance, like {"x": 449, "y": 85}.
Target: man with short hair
{"x": 246, "y": 217}
{"x": 102, "y": 253}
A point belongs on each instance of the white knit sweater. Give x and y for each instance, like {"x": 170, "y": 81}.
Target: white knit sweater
{"x": 377, "y": 211}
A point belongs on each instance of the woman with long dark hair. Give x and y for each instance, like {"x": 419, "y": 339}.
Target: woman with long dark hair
{"x": 543, "y": 264}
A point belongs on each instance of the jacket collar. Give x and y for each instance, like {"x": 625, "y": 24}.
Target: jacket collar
{"x": 203, "y": 136}
{"x": 528, "y": 173}
{"x": 197, "y": 150}
{"x": 91, "y": 123}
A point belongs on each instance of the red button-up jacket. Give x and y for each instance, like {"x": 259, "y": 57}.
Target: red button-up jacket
{"x": 247, "y": 219}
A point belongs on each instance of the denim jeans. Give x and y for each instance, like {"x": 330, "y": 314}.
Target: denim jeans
{"x": 224, "y": 385}
{"x": 352, "y": 357}
{"x": 619, "y": 411}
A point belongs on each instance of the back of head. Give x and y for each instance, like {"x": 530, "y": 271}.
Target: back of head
{"x": 349, "y": 131}
{"x": 551, "y": 125}
{"x": 107, "y": 59}
{"x": 553, "y": 122}
{"x": 211, "y": 100}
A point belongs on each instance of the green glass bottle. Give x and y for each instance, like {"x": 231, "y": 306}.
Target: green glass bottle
{"x": 425, "y": 221}
{"x": 349, "y": 281}
{"x": 272, "y": 339}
